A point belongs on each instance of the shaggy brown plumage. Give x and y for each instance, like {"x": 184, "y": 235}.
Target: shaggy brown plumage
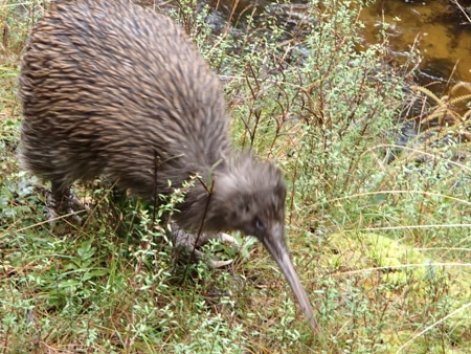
{"x": 109, "y": 88}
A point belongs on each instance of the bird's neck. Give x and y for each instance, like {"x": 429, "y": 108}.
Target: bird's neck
{"x": 197, "y": 210}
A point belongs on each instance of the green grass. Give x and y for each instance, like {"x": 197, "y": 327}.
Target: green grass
{"x": 384, "y": 251}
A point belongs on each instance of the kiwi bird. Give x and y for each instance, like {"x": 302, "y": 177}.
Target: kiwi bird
{"x": 108, "y": 88}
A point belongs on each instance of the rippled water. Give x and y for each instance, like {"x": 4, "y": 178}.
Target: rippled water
{"x": 440, "y": 29}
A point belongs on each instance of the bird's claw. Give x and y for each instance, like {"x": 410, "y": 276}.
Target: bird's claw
{"x": 226, "y": 238}
{"x": 215, "y": 264}
{"x": 66, "y": 207}
{"x": 189, "y": 243}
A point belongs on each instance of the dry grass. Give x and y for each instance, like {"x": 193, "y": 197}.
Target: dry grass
{"x": 383, "y": 249}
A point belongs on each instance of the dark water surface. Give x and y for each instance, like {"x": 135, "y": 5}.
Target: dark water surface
{"x": 438, "y": 28}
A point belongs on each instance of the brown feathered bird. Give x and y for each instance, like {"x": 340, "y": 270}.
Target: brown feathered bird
{"x": 109, "y": 88}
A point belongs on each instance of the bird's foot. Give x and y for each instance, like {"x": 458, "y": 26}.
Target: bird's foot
{"x": 225, "y": 238}
{"x": 190, "y": 244}
{"x": 63, "y": 207}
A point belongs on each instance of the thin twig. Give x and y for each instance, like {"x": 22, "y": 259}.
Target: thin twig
{"x": 433, "y": 325}
{"x": 205, "y": 212}
{"x": 415, "y": 227}
{"x": 155, "y": 192}
{"x": 462, "y": 10}
{"x": 429, "y": 194}
{"x": 403, "y": 266}
{"x": 3, "y": 234}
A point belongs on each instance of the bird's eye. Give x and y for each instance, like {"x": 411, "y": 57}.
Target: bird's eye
{"x": 259, "y": 225}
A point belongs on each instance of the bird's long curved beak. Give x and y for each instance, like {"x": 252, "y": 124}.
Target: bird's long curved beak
{"x": 276, "y": 245}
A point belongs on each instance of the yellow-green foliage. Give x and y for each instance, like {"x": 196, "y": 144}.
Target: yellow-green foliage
{"x": 369, "y": 253}
{"x": 375, "y": 261}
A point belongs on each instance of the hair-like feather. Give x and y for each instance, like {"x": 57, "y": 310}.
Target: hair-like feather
{"x": 110, "y": 88}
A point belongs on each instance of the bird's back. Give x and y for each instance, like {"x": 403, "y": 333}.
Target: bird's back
{"x": 110, "y": 87}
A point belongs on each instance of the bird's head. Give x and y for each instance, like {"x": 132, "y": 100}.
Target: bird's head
{"x": 249, "y": 196}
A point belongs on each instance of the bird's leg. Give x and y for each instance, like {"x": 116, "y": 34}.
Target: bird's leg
{"x": 60, "y": 201}
{"x": 225, "y": 238}
{"x": 118, "y": 195}
{"x": 189, "y": 244}
{"x": 184, "y": 243}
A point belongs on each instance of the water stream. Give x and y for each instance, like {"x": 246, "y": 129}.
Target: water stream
{"x": 439, "y": 29}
